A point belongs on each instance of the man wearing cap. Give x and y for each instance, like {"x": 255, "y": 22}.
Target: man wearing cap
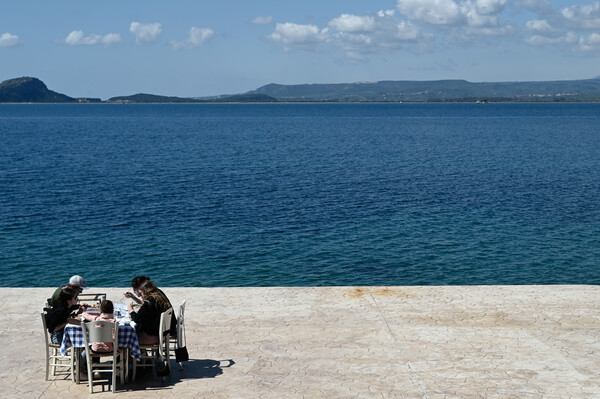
{"x": 76, "y": 282}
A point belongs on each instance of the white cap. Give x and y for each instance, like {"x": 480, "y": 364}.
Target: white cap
{"x": 77, "y": 281}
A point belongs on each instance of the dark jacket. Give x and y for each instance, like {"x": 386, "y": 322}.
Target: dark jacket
{"x": 56, "y": 315}
{"x": 147, "y": 318}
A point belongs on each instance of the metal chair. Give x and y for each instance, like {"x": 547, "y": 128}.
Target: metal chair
{"x": 53, "y": 357}
{"x": 103, "y": 331}
{"x": 152, "y": 351}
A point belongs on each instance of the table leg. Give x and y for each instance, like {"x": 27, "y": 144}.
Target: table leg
{"x": 127, "y": 364}
{"x": 77, "y": 352}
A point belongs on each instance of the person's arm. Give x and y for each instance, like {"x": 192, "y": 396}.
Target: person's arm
{"x": 132, "y": 296}
{"x": 144, "y": 317}
{"x": 141, "y": 313}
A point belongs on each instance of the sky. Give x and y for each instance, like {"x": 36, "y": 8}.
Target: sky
{"x": 194, "y": 48}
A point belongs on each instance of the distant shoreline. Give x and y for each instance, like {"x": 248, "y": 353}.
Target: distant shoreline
{"x": 298, "y": 102}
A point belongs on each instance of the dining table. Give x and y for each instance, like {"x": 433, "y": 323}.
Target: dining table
{"x": 73, "y": 337}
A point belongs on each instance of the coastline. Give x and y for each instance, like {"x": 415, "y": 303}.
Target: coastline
{"x": 301, "y": 102}
{"x": 411, "y": 341}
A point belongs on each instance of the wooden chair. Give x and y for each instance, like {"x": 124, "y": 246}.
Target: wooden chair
{"x": 53, "y": 357}
{"x": 103, "y": 331}
{"x": 179, "y": 340}
{"x": 90, "y": 296}
{"x": 152, "y": 351}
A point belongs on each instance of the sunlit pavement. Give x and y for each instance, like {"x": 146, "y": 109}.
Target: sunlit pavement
{"x": 344, "y": 342}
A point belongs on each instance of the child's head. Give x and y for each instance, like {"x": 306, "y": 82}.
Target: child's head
{"x": 106, "y": 307}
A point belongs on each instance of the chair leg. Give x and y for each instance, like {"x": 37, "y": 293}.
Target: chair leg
{"x": 74, "y": 369}
{"x": 134, "y": 366}
{"x": 114, "y": 375}
{"x": 47, "y": 362}
{"x": 53, "y": 364}
{"x": 76, "y": 352}
{"x": 121, "y": 371}
{"x": 126, "y": 364}
{"x": 90, "y": 374}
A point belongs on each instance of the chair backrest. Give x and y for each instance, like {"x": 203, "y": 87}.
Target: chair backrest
{"x": 180, "y": 325}
{"x": 90, "y": 296}
{"x": 100, "y": 331}
{"x": 165, "y": 323}
{"x": 45, "y": 328}
{"x": 163, "y": 332}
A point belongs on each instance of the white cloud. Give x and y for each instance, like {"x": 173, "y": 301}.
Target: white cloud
{"x": 9, "y": 40}
{"x": 489, "y": 7}
{"x": 541, "y": 40}
{"x": 539, "y": 26}
{"x": 78, "y": 38}
{"x": 291, "y": 36}
{"x": 474, "y": 17}
{"x": 262, "y": 20}
{"x": 353, "y": 23}
{"x": 432, "y": 12}
{"x": 586, "y": 16}
{"x": 540, "y": 7}
{"x": 570, "y": 41}
{"x": 196, "y": 38}
{"x": 145, "y": 33}
{"x": 353, "y": 34}
{"x": 590, "y": 43}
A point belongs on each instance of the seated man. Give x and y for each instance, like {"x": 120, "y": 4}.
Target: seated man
{"x": 76, "y": 283}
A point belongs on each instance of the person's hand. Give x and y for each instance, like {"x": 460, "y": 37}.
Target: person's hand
{"x": 130, "y": 307}
{"x": 127, "y": 294}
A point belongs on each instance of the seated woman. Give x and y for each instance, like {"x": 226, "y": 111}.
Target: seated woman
{"x": 57, "y": 316}
{"x": 136, "y": 284}
{"x": 147, "y": 318}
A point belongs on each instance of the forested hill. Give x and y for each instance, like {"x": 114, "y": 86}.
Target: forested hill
{"x": 437, "y": 90}
{"x": 31, "y": 90}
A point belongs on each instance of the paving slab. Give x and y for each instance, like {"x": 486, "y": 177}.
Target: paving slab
{"x": 346, "y": 342}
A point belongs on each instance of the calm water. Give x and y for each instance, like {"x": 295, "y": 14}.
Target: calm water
{"x": 286, "y": 195}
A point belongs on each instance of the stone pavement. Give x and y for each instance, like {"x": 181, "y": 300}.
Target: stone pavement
{"x": 347, "y": 342}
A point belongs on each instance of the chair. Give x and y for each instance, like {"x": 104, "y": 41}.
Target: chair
{"x": 89, "y": 296}
{"x": 53, "y": 357}
{"x": 151, "y": 351}
{"x": 103, "y": 331}
{"x": 179, "y": 340}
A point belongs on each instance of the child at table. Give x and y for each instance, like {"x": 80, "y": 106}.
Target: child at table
{"x": 106, "y": 314}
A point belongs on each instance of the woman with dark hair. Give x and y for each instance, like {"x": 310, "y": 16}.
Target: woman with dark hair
{"x": 136, "y": 283}
{"x": 57, "y": 316}
{"x": 147, "y": 318}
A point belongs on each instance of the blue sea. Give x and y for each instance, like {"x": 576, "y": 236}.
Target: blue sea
{"x": 300, "y": 194}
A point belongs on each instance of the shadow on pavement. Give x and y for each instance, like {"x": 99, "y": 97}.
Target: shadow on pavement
{"x": 202, "y": 368}
{"x": 192, "y": 369}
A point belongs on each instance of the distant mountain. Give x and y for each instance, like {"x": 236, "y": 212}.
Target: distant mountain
{"x": 27, "y": 89}
{"x": 247, "y": 97}
{"x": 437, "y": 90}
{"x": 30, "y": 90}
{"x": 151, "y": 98}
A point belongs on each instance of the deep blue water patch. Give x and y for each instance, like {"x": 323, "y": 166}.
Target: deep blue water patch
{"x": 300, "y": 194}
